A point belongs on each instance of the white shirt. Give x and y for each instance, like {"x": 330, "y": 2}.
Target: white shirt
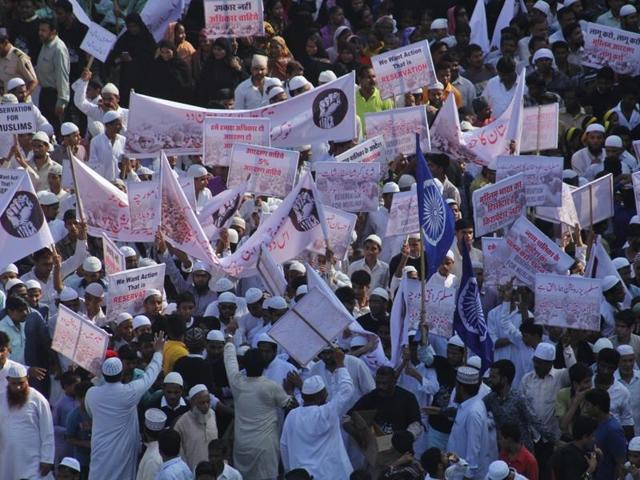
{"x": 630, "y": 123}
{"x": 92, "y": 110}
{"x": 634, "y": 399}
{"x": 608, "y": 313}
{"x": 620, "y": 407}
{"x": 311, "y": 436}
{"x": 104, "y": 155}
{"x": 278, "y": 370}
{"x": 498, "y": 96}
{"x": 248, "y": 96}
{"x": 379, "y": 273}
{"x": 150, "y": 463}
{"x": 174, "y": 469}
{"x": 594, "y": 169}
{"x": 229, "y": 473}
{"x": 583, "y": 159}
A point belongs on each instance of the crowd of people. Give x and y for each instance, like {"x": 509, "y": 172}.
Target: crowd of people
{"x": 193, "y": 386}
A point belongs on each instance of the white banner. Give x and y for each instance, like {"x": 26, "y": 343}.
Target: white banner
{"x": 267, "y": 171}
{"x": 404, "y": 69}
{"x": 403, "y": 215}
{"x": 218, "y": 212}
{"x": 494, "y": 253}
{"x": 542, "y": 177}
{"x": 609, "y": 46}
{"x": 541, "y": 126}
{"x": 23, "y": 227}
{"x": 17, "y": 118}
{"x": 349, "y": 186}
{"x": 498, "y": 205}
{"x": 221, "y": 133}
{"x": 531, "y": 252}
{"x": 158, "y": 14}
{"x": 233, "y": 18}
{"x": 319, "y": 115}
{"x": 114, "y": 260}
{"x": 127, "y": 289}
{"x": 340, "y": 225}
{"x": 568, "y": 302}
{"x": 145, "y": 206}
{"x": 271, "y": 273}
{"x": 98, "y": 42}
{"x": 440, "y": 305}
{"x": 564, "y": 214}
{"x": 78, "y": 339}
{"x": 594, "y": 201}
{"x": 399, "y": 128}
{"x": 371, "y": 150}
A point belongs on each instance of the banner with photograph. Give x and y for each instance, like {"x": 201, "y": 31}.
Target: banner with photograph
{"x": 565, "y": 214}
{"x": 221, "y": 133}
{"x": 398, "y": 128}
{"x": 542, "y": 177}
{"x": 494, "y": 253}
{"x": 233, "y": 18}
{"x": 499, "y": 204}
{"x": 127, "y": 289}
{"x": 613, "y": 47}
{"x": 349, "y": 186}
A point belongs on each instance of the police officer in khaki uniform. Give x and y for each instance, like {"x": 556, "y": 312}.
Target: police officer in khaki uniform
{"x": 15, "y": 63}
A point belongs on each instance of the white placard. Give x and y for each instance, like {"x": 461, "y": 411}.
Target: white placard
{"x": 594, "y": 201}
{"x": 399, "y": 128}
{"x": 340, "y": 225}
{"x": 440, "y": 304}
{"x": 114, "y": 260}
{"x": 17, "y": 118}
{"x": 8, "y": 178}
{"x": 127, "y": 289}
{"x": 613, "y": 47}
{"x": 542, "y": 177}
{"x": 349, "y": 186}
{"x": 371, "y": 150}
{"x": 540, "y": 128}
{"x": 403, "y": 215}
{"x": 271, "y": 273}
{"x": 494, "y": 253}
{"x": 499, "y": 204}
{"x": 233, "y": 18}
{"x": 220, "y": 134}
{"x": 564, "y": 214}
{"x": 98, "y": 42}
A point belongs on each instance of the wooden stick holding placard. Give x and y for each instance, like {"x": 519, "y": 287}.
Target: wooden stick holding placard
{"x": 90, "y": 62}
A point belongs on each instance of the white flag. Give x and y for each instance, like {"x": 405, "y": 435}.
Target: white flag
{"x": 23, "y": 227}
{"x": 478, "y": 25}
{"x": 504, "y": 19}
{"x": 179, "y": 223}
{"x": 600, "y": 265}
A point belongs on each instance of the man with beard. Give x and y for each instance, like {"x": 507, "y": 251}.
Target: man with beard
{"x": 110, "y": 100}
{"x": 252, "y": 92}
{"x": 27, "y": 440}
{"x": 17, "y": 87}
{"x": 593, "y": 153}
{"x": 612, "y": 163}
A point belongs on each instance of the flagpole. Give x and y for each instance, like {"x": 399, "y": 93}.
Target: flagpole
{"x": 423, "y": 269}
{"x": 75, "y": 185}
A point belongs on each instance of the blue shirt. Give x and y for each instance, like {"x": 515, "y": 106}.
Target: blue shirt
{"x": 79, "y": 428}
{"x": 17, "y": 338}
{"x": 611, "y": 440}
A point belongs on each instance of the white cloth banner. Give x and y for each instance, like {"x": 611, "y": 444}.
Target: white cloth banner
{"x": 504, "y": 20}
{"x": 445, "y": 132}
{"x": 566, "y": 213}
{"x": 23, "y": 227}
{"x": 399, "y": 127}
{"x": 594, "y": 201}
{"x": 319, "y": 115}
{"x": 127, "y": 289}
{"x": 17, "y": 118}
{"x": 613, "y": 47}
{"x": 271, "y": 273}
{"x": 340, "y": 225}
{"x": 98, "y": 42}
{"x": 78, "y": 339}
{"x": 179, "y": 223}
{"x": 349, "y": 186}
{"x": 568, "y": 302}
{"x": 267, "y": 171}
{"x": 371, "y": 150}
{"x": 218, "y": 212}
{"x": 404, "y": 69}
{"x": 494, "y": 253}
{"x": 221, "y": 133}
{"x": 144, "y": 205}
{"x": 233, "y": 18}
{"x": 541, "y": 126}
{"x": 542, "y": 177}
{"x": 188, "y": 187}
{"x": 403, "y": 215}
{"x": 114, "y": 260}
{"x": 531, "y": 252}
{"x": 309, "y": 326}
{"x": 499, "y": 204}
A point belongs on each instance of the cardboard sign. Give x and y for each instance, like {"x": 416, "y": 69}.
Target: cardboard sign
{"x": 398, "y": 128}
{"x": 440, "y": 304}
{"x": 498, "y": 205}
{"x": 608, "y": 46}
{"x": 540, "y": 128}
{"x": 494, "y": 253}
{"x": 594, "y": 201}
{"x": 403, "y": 215}
{"x": 98, "y": 42}
{"x": 404, "y": 69}
{"x": 568, "y": 302}
{"x": 220, "y": 133}
{"x": 78, "y": 339}
{"x": 17, "y": 118}
{"x": 309, "y": 326}
{"x": 369, "y": 151}
{"x": 114, "y": 260}
{"x": 127, "y": 289}
{"x": 8, "y": 178}
{"x": 145, "y": 205}
{"x": 542, "y": 177}
{"x": 565, "y": 214}
{"x": 340, "y": 225}
{"x": 349, "y": 186}
{"x": 267, "y": 171}
{"x": 233, "y": 18}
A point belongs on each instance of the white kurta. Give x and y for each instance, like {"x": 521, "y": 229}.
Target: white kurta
{"x": 311, "y": 436}
{"x": 151, "y": 462}
{"x": 104, "y": 155}
{"x": 26, "y": 438}
{"x": 115, "y": 437}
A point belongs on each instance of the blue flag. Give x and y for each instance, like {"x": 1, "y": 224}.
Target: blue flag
{"x": 468, "y": 321}
{"x": 436, "y": 217}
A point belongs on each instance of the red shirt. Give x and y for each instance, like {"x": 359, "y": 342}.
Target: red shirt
{"x": 523, "y": 462}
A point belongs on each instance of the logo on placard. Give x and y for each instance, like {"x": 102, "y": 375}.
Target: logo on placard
{"x": 304, "y": 214}
{"x": 329, "y": 108}
{"x": 225, "y": 212}
{"x": 470, "y": 309}
{"x": 23, "y": 216}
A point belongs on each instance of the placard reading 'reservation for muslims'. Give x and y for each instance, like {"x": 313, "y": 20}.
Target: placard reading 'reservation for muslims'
{"x": 17, "y": 118}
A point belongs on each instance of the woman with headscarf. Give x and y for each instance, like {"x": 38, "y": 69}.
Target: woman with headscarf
{"x": 279, "y": 56}
{"x": 201, "y": 55}
{"x": 171, "y": 75}
{"x": 133, "y": 53}
{"x": 221, "y": 70}
{"x": 315, "y": 59}
{"x": 347, "y": 60}
{"x": 276, "y": 15}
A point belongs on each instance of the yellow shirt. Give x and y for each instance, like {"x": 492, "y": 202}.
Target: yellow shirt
{"x": 173, "y": 350}
{"x": 371, "y": 105}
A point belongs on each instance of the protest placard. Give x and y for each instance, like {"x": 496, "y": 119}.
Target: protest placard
{"x": 404, "y": 69}
{"x": 494, "y": 253}
{"x": 542, "y": 177}
{"x": 309, "y": 326}
{"x": 144, "y": 205}
{"x": 220, "y": 134}
{"x": 271, "y": 273}
{"x": 403, "y": 215}
{"x": 127, "y": 289}
{"x": 349, "y": 186}
{"x": 531, "y": 252}
{"x": 566, "y": 213}
{"x": 17, "y": 118}
{"x": 233, "y": 18}
{"x": 399, "y": 127}
{"x": 98, "y": 42}
{"x": 499, "y": 204}
{"x": 371, "y": 150}
{"x": 636, "y": 148}
{"x": 340, "y": 225}
{"x": 440, "y": 304}
{"x": 267, "y": 171}
{"x": 613, "y": 47}
{"x": 540, "y": 124}
{"x": 114, "y": 261}
{"x": 594, "y": 201}
{"x": 635, "y": 179}
{"x": 8, "y": 178}
{"x": 78, "y": 339}
{"x": 568, "y": 301}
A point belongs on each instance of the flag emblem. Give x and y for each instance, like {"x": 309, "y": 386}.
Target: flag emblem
{"x": 470, "y": 309}
{"x": 434, "y": 214}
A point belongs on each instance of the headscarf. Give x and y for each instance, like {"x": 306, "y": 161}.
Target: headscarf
{"x": 278, "y": 66}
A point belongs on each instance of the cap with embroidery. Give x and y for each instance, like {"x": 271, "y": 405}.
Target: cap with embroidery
{"x": 155, "y": 419}
{"x": 468, "y": 375}
{"x": 223, "y": 284}
{"x": 196, "y": 389}
{"x": 92, "y": 265}
{"x": 112, "y": 367}
{"x": 70, "y": 463}
{"x": 174, "y": 378}
{"x": 68, "y": 294}
{"x": 545, "y": 351}
{"x": 313, "y": 385}
{"x": 253, "y": 295}
{"x": 95, "y": 290}
{"x": 140, "y": 321}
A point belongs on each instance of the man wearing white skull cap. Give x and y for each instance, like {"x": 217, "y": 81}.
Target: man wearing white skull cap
{"x": 151, "y": 462}
{"x": 628, "y": 375}
{"x": 311, "y": 436}
{"x": 110, "y": 100}
{"x": 252, "y": 93}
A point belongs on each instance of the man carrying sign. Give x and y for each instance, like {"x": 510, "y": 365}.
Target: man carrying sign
{"x": 368, "y": 98}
